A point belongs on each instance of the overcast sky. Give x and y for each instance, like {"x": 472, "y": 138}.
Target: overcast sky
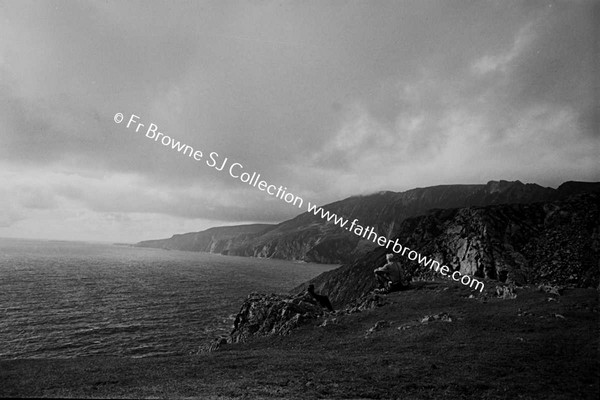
{"x": 328, "y": 98}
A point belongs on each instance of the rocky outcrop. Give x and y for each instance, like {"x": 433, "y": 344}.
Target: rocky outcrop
{"x": 367, "y": 302}
{"x": 506, "y": 292}
{"x": 268, "y": 315}
{"x": 555, "y": 242}
{"x": 271, "y": 315}
{"x": 310, "y": 238}
{"x": 506, "y": 245}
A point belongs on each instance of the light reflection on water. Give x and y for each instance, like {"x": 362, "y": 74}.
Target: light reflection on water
{"x": 67, "y": 299}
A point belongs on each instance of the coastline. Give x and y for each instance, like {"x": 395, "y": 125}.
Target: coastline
{"x": 474, "y": 356}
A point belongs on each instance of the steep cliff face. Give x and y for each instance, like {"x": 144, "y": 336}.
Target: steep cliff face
{"x": 554, "y": 242}
{"x": 310, "y": 238}
{"x": 214, "y": 240}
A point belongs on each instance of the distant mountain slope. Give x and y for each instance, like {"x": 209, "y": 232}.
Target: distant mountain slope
{"x": 213, "y": 240}
{"x": 310, "y": 238}
{"x": 547, "y": 242}
{"x": 572, "y": 187}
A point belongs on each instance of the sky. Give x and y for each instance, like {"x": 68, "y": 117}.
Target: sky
{"x": 328, "y": 98}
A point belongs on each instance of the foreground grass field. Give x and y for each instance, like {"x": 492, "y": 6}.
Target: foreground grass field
{"x": 537, "y": 346}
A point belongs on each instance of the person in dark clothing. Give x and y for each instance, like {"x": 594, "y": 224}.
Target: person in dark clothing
{"x": 321, "y": 299}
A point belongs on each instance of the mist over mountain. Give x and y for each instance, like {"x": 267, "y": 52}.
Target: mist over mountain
{"x": 310, "y": 238}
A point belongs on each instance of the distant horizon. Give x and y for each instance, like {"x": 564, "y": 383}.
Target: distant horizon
{"x": 242, "y": 223}
{"x": 323, "y": 99}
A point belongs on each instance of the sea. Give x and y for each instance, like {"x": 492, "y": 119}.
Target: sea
{"x": 63, "y": 299}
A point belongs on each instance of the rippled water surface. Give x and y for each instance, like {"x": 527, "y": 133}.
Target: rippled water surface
{"x": 66, "y": 299}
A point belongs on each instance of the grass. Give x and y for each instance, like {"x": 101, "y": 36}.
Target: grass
{"x": 488, "y": 351}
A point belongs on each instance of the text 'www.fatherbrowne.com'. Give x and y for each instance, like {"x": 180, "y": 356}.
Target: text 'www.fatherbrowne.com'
{"x": 237, "y": 171}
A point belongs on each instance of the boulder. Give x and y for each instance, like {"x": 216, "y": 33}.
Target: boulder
{"x": 444, "y": 317}
{"x": 379, "y": 325}
{"x": 266, "y": 315}
{"x": 367, "y": 302}
{"x": 551, "y": 289}
{"x": 506, "y": 292}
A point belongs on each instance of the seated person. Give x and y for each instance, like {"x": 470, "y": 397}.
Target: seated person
{"x": 391, "y": 276}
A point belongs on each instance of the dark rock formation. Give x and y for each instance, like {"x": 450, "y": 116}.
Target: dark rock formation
{"x": 506, "y": 292}
{"x": 443, "y": 317}
{"x": 379, "y": 325}
{"x": 213, "y": 345}
{"x": 547, "y": 243}
{"x": 367, "y": 302}
{"x": 551, "y": 289}
{"x": 267, "y": 315}
{"x": 555, "y": 242}
{"x": 309, "y": 238}
{"x": 271, "y": 315}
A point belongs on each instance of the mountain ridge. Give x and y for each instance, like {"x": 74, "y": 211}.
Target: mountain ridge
{"x": 555, "y": 242}
{"x": 308, "y": 237}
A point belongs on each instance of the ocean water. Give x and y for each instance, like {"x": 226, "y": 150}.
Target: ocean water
{"x": 68, "y": 299}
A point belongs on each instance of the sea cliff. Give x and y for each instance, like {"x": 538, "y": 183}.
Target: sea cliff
{"x": 310, "y": 238}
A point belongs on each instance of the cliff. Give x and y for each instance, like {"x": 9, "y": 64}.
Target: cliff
{"x": 214, "y": 240}
{"x": 556, "y": 242}
{"x": 309, "y": 238}
{"x": 552, "y": 244}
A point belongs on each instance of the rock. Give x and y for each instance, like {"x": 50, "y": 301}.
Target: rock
{"x": 554, "y": 242}
{"x": 551, "y": 289}
{"x": 409, "y": 325}
{"x": 516, "y": 277}
{"x": 265, "y": 315}
{"x": 217, "y": 344}
{"x": 445, "y": 317}
{"x": 213, "y": 345}
{"x": 368, "y": 302}
{"x": 329, "y": 321}
{"x": 506, "y": 292}
{"x": 379, "y": 325}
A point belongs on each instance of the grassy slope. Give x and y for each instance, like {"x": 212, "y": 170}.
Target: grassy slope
{"x": 487, "y": 352}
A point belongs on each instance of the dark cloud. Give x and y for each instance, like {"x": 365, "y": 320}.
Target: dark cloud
{"x": 329, "y": 99}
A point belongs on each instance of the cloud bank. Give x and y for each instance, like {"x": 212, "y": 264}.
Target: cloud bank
{"x": 330, "y": 99}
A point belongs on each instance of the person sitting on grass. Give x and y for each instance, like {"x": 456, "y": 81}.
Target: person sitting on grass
{"x": 391, "y": 277}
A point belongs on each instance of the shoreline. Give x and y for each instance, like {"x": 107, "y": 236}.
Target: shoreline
{"x": 494, "y": 349}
